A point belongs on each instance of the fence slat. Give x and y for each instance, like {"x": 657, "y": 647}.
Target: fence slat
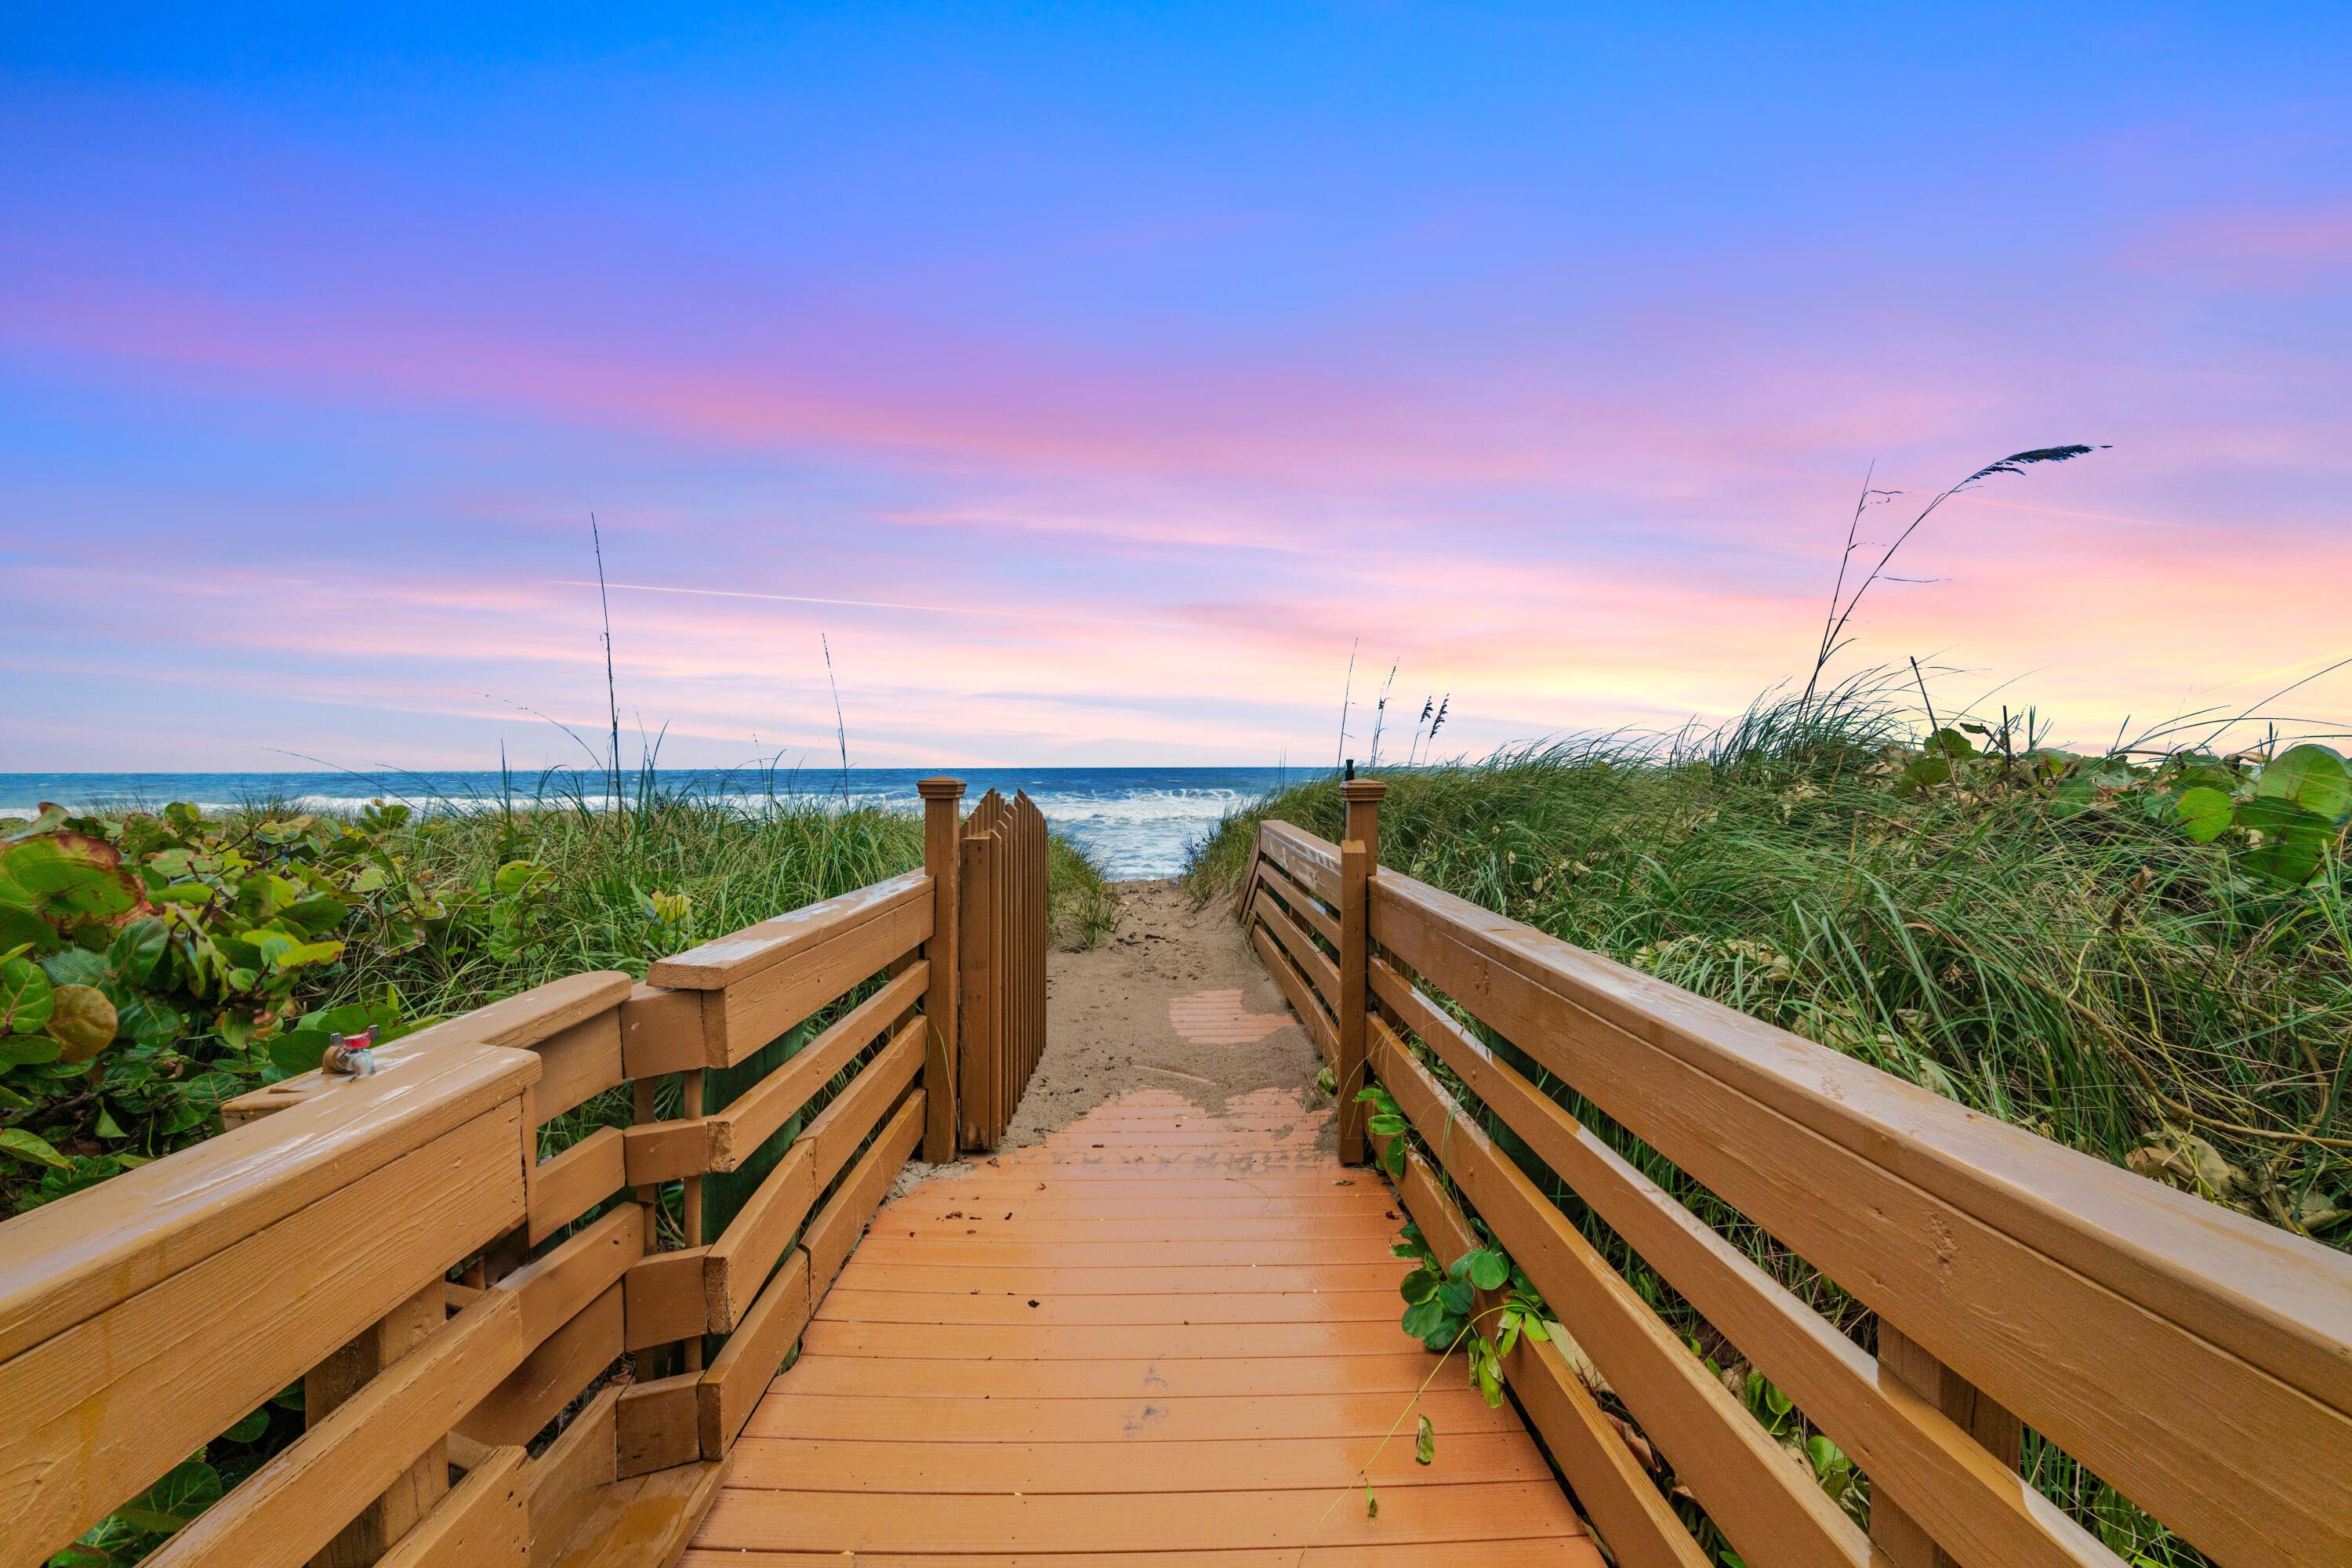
{"x": 332, "y": 1381}
{"x": 1312, "y": 862}
{"x": 666, "y": 1151}
{"x": 1625, "y": 1507}
{"x": 1296, "y": 900}
{"x": 730, "y": 960}
{"x": 980, "y": 954}
{"x": 566, "y": 1186}
{"x": 1972, "y": 1500}
{"x": 564, "y": 1483}
{"x": 1763, "y": 1499}
{"x": 484, "y": 1522}
{"x": 1868, "y": 1184}
{"x": 101, "y": 1411}
{"x": 290, "y": 1508}
{"x": 778, "y": 998}
{"x": 1036, "y": 932}
{"x": 1300, "y": 995}
{"x": 94, "y": 1250}
{"x": 1311, "y": 960}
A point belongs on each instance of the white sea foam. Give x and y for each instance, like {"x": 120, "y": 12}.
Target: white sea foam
{"x": 1133, "y": 829}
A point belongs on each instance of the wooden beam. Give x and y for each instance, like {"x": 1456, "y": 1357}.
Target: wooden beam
{"x": 1970, "y": 1496}
{"x": 943, "y": 858}
{"x": 663, "y": 1299}
{"x": 669, "y": 1151}
{"x": 1766, "y": 1502}
{"x": 665, "y": 1031}
{"x": 743, "y": 955}
{"x": 2098, "y": 1305}
{"x": 100, "y": 1411}
{"x": 72, "y": 1259}
{"x": 288, "y": 1511}
{"x": 326, "y": 1385}
{"x": 484, "y": 1522}
{"x": 521, "y": 1021}
{"x": 569, "y": 1185}
{"x": 655, "y": 1425}
{"x": 1353, "y": 1002}
{"x": 565, "y": 1482}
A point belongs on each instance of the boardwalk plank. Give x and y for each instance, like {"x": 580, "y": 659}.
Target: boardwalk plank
{"x": 1290, "y": 1464}
{"x": 1162, "y": 1337}
{"x": 1012, "y": 1306}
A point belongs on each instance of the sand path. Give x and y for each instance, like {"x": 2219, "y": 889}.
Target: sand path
{"x": 1173, "y": 1000}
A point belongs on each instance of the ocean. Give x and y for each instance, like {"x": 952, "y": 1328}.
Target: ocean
{"x": 1138, "y": 822}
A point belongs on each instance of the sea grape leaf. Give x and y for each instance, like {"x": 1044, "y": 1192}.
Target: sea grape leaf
{"x": 70, "y": 876}
{"x": 74, "y": 967}
{"x": 2205, "y": 814}
{"x": 83, "y": 1021}
{"x": 298, "y": 1050}
{"x": 138, "y": 947}
{"x": 25, "y": 997}
{"x": 27, "y": 1051}
{"x": 2313, "y": 777}
{"x": 2289, "y": 857}
{"x": 52, "y": 817}
{"x": 1950, "y": 743}
{"x": 1924, "y": 773}
{"x": 186, "y": 1490}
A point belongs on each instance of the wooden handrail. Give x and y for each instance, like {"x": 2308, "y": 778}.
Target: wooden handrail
{"x": 2197, "y": 1360}
{"x": 733, "y": 959}
{"x": 66, "y": 1261}
{"x": 139, "y": 1319}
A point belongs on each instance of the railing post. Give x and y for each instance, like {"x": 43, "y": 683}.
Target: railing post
{"x": 942, "y": 858}
{"x": 1359, "y": 858}
{"x": 344, "y": 1373}
{"x": 1896, "y": 1537}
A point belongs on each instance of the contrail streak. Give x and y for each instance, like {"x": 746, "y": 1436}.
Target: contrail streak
{"x": 876, "y": 604}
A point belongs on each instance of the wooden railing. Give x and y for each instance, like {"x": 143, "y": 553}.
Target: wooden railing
{"x": 2197, "y": 1361}
{"x": 445, "y": 1297}
{"x": 1002, "y": 952}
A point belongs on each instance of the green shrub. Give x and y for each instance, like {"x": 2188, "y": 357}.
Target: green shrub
{"x": 158, "y": 963}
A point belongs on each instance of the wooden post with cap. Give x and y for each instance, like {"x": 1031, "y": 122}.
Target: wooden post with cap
{"x": 942, "y": 858}
{"x": 1359, "y": 858}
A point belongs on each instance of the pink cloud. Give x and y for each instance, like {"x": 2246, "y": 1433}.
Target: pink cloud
{"x": 2251, "y": 247}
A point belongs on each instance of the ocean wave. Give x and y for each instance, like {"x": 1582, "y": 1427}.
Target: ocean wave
{"x": 1135, "y": 823}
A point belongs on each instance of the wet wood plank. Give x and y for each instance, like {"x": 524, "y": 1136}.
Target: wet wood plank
{"x": 1164, "y": 1335}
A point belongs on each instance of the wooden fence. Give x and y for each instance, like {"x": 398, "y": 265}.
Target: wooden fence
{"x": 1004, "y": 923}
{"x": 2196, "y": 1360}
{"x": 396, "y": 1245}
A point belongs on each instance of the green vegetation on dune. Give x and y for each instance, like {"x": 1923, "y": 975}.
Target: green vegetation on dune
{"x": 158, "y": 963}
{"x": 2144, "y": 957}
{"x": 2037, "y": 935}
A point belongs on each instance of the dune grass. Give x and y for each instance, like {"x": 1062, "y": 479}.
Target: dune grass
{"x": 2038, "y": 939}
{"x": 418, "y": 916}
{"x": 622, "y": 888}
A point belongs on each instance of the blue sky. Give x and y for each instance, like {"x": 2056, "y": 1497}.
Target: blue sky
{"x": 1121, "y": 370}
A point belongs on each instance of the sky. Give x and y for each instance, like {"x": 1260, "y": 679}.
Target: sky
{"x": 1095, "y": 382}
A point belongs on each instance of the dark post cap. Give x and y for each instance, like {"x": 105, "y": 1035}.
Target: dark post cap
{"x": 939, "y": 788}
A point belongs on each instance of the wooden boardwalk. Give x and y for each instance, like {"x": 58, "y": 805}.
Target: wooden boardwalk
{"x": 1161, "y": 1336}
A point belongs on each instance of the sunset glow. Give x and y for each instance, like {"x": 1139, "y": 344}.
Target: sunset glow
{"x": 1094, "y": 385}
